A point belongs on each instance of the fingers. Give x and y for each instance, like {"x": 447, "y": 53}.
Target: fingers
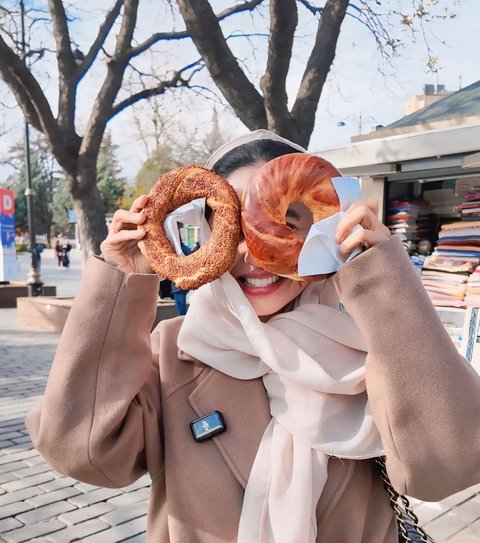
{"x": 126, "y": 220}
{"x": 129, "y": 220}
{"x": 114, "y": 240}
{"x": 360, "y": 214}
{"x": 371, "y": 203}
{"x": 127, "y": 235}
{"x": 120, "y": 248}
{"x": 372, "y": 231}
{"x": 360, "y": 238}
{"x": 139, "y": 203}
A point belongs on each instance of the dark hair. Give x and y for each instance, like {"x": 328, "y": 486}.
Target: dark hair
{"x": 251, "y": 153}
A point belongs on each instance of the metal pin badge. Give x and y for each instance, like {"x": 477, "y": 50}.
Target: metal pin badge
{"x": 208, "y": 426}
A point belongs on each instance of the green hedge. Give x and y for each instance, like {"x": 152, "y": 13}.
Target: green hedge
{"x": 22, "y": 247}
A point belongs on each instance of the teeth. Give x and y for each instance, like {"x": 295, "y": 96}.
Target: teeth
{"x": 261, "y": 282}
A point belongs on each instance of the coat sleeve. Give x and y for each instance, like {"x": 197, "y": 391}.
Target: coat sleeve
{"x": 425, "y": 398}
{"x": 99, "y": 420}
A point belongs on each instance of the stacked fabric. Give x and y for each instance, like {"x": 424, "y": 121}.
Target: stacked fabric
{"x": 409, "y": 220}
{"x": 457, "y": 254}
{"x": 470, "y": 209}
{"x": 418, "y": 262}
{"x": 472, "y": 294}
{"x": 398, "y": 218}
{"x": 445, "y": 288}
{"x": 443, "y": 202}
{"x": 459, "y": 240}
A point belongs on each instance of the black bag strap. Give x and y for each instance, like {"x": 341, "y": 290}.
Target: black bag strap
{"x": 409, "y": 530}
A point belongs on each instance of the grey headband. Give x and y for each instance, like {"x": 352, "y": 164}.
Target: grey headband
{"x": 247, "y": 138}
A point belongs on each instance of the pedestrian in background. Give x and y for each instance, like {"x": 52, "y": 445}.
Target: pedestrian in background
{"x": 180, "y": 295}
{"x": 58, "y": 253}
{"x": 66, "y": 248}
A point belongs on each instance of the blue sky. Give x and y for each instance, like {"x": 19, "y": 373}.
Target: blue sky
{"x": 365, "y": 90}
{"x": 355, "y": 86}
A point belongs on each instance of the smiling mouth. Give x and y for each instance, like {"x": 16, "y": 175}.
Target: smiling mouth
{"x": 259, "y": 283}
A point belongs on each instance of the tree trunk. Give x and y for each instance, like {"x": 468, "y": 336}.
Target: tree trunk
{"x": 90, "y": 214}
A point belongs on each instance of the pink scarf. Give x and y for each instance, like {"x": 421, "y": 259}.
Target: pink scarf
{"x": 312, "y": 362}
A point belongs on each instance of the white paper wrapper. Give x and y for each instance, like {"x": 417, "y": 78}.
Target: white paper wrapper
{"x": 191, "y": 214}
{"x": 320, "y": 252}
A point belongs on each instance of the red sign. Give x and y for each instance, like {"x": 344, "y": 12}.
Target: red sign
{"x": 7, "y": 202}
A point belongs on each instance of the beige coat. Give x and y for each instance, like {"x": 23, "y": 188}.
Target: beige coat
{"x": 111, "y": 412}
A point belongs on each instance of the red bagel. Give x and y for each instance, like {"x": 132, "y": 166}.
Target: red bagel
{"x": 296, "y": 177}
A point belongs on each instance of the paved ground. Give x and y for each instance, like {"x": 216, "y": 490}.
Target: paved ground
{"x": 66, "y": 279}
{"x": 39, "y": 505}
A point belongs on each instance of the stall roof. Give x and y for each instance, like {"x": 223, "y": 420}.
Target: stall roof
{"x": 377, "y": 156}
{"x": 461, "y": 104}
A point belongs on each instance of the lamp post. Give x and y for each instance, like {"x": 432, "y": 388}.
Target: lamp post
{"x": 34, "y": 283}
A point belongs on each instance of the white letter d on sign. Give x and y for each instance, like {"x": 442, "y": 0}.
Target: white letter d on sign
{"x": 7, "y": 203}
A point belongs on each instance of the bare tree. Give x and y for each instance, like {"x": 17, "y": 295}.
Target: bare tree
{"x": 77, "y": 153}
{"x": 261, "y": 106}
{"x": 269, "y": 108}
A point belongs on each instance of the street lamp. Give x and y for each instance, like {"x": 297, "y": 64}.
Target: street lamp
{"x": 34, "y": 283}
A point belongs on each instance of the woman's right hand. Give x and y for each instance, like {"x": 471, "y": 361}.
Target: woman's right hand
{"x": 120, "y": 247}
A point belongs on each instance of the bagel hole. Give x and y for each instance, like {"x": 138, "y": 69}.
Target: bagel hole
{"x": 189, "y": 238}
{"x": 299, "y": 218}
{"x": 208, "y": 212}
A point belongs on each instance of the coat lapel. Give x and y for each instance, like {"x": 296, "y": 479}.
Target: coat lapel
{"x": 245, "y": 407}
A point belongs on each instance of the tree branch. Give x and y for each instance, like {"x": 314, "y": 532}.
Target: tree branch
{"x": 21, "y": 95}
{"x": 65, "y": 58}
{"x": 318, "y": 66}
{"x": 367, "y": 17}
{"x": 147, "y": 93}
{"x": 182, "y": 34}
{"x": 154, "y": 38}
{"x": 232, "y": 10}
{"x": 96, "y": 46}
{"x": 34, "y": 105}
{"x": 117, "y": 64}
{"x": 283, "y": 21}
{"x": 26, "y": 89}
{"x": 240, "y": 93}
{"x": 67, "y": 80}
{"x": 312, "y": 9}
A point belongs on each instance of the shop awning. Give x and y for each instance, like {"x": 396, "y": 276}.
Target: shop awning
{"x": 384, "y": 156}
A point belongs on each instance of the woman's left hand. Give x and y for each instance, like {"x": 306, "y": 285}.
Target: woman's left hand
{"x": 364, "y": 214}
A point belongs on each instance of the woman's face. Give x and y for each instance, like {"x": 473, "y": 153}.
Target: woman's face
{"x": 267, "y": 293}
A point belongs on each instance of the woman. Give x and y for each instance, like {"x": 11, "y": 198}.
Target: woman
{"x": 289, "y": 367}
{"x": 66, "y": 248}
{"x": 58, "y": 253}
